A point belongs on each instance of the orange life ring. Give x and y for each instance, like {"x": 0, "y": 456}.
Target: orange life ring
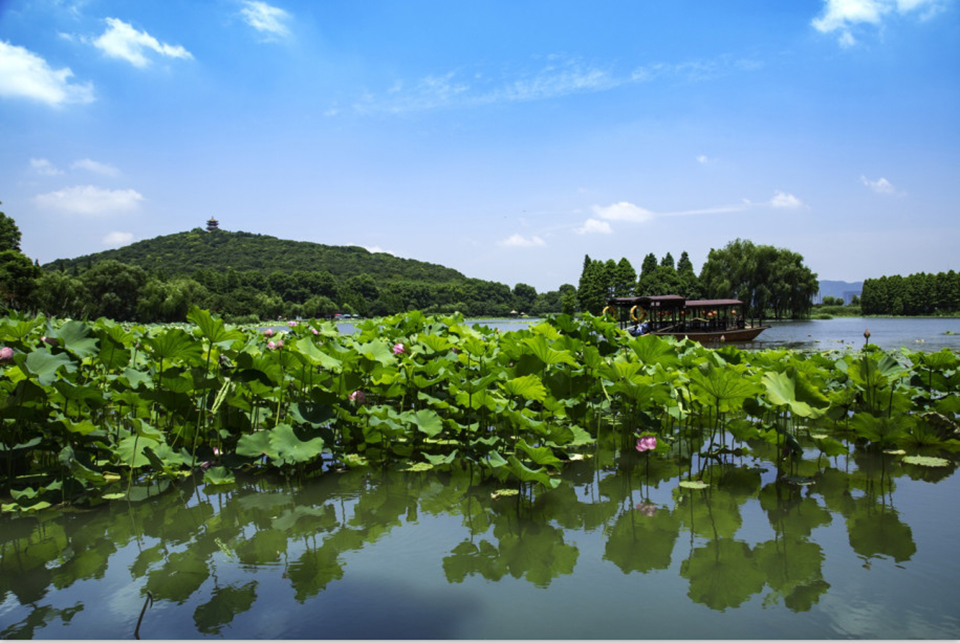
{"x": 606, "y": 310}
{"x": 633, "y": 316}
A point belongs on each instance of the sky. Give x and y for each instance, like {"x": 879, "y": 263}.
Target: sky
{"x": 504, "y": 139}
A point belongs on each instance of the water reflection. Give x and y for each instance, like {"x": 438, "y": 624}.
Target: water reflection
{"x": 237, "y": 561}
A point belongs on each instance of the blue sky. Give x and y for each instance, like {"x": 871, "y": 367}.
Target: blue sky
{"x": 503, "y": 139}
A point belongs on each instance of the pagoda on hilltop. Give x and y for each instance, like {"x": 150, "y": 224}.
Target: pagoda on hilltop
{"x": 212, "y": 225}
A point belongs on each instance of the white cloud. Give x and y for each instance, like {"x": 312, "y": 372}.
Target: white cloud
{"x": 623, "y": 211}
{"x": 703, "y": 159}
{"x": 376, "y": 249}
{"x": 95, "y": 167}
{"x": 593, "y": 226}
{"x": 784, "y": 200}
{"x": 519, "y": 241}
{"x": 116, "y": 239}
{"x": 89, "y": 200}
{"x": 880, "y": 186}
{"x": 26, "y": 75}
{"x": 556, "y": 77}
{"x": 844, "y": 15}
{"x": 123, "y": 41}
{"x": 266, "y": 18}
{"x": 44, "y": 167}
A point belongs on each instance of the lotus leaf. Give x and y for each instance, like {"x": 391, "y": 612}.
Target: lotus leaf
{"x": 926, "y": 461}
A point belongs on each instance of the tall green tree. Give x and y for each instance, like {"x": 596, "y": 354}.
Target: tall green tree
{"x": 648, "y": 270}
{"x": 592, "y": 291}
{"x": 625, "y": 279}
{"x": 61, "y": 294}
{"x": 9, "y": 233}
{"x": 114, "y": 289}
{"x": 689, "y": 282}
{"x": 18, "y": 279}
{"x": 524, "y": 298}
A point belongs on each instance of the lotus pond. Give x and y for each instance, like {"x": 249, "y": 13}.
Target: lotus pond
{"x": 423, "y": 478}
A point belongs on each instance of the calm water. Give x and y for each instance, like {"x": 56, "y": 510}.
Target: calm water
{"x": 867, "y": 551}
{"x": 841, "y": 333}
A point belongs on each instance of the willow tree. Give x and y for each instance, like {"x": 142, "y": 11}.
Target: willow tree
{"x": 763, "y": 277}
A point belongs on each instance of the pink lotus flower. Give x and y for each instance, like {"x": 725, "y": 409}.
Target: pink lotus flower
{"x": 271, "y": 345}
{"x": 646, "y": 443}
{"x": 398, "y": 349}
{"x": 269, "y": 332}
{"x": 292, "y": 324}
{"x": 358, "y": 397}
{"x": 314, "y": 331}
{"x": 6, "y": 354}
{"x": 648, "y": 509}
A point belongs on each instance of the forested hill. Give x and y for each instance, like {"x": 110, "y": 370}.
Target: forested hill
{"x": 185, "y": 253}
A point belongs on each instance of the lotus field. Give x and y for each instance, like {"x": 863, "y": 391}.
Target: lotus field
{"x": 97, "y": 411}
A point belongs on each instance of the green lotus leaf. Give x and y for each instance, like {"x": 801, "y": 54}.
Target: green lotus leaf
{"x": 255, "y": 445}
{"x": 44, "y": 365}
{"x": 291, "y": 449}
{"x": 529, "y": 387}
{"x": 211, "y": 328}
{"x": 540, "y": 455}
{"x": 926, "y": 461}
{"x": 426, "y": 420}
{"x": 418, "y": 467}
{"x": 218, "y": 476}
{"x": 75, "y": 336}
{"x": 693, "y": 484}
{"x": 174, "y": 343}
{"x": 311, "y": 353}
{"x": 130, "y": 449}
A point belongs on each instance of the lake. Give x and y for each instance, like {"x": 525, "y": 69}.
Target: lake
{"x": 840, "y": 333}
{"x": 616, "y": 552}
{"x": 860, "y": 545}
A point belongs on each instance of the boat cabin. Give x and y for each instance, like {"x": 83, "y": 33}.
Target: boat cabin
{"x": 676, "y": 315}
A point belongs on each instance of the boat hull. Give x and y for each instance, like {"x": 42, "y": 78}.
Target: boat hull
{"x": 729, "y": 336}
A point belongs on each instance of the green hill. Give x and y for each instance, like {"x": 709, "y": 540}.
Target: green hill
{"x": 185, "y": 253}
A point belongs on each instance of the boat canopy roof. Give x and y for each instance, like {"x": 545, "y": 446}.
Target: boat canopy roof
{"x": 672, "y": 301}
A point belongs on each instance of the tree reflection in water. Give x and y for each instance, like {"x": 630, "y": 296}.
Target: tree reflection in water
{"x": 211, "y": 554}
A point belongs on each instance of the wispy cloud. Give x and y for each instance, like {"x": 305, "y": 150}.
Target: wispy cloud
{"x": 89, "y": 200}
{"x": 629, "y": 212}
{"x": 117, "y": 239}
{"x": 268, "y": 20}
{"x": 846, "y": 15}
{"x": 594, "y": 226}
{"x": 556, "y": 77}
{"x": 520, "y": 241}
{"x": 623, "y": 211}
{"x": 95, "y": 167}
{"x": 880, "y": 186}
{"x": 784, "y": 200}
{"x": 24, "y": 74}
{"x": 44, "y": 167}
{"x": 123, "y": 41}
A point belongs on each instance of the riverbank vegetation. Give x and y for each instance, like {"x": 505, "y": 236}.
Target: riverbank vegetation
{"x": 99, "y": 411}
{"x": 919, "y": 294}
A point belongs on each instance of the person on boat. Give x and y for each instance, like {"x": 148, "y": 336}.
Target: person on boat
{"x": 639, "y": 329}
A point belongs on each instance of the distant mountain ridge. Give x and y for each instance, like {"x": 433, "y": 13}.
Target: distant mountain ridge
{"x": 184, "y": 253}
{"x": 844, "y": 289}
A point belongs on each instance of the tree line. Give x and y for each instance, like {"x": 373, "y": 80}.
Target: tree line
{"x": 770, "y": 281}
{"x": 93, "y": 287}
{"x": 248, "y": 278}
{"x": 916, "y": 294}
